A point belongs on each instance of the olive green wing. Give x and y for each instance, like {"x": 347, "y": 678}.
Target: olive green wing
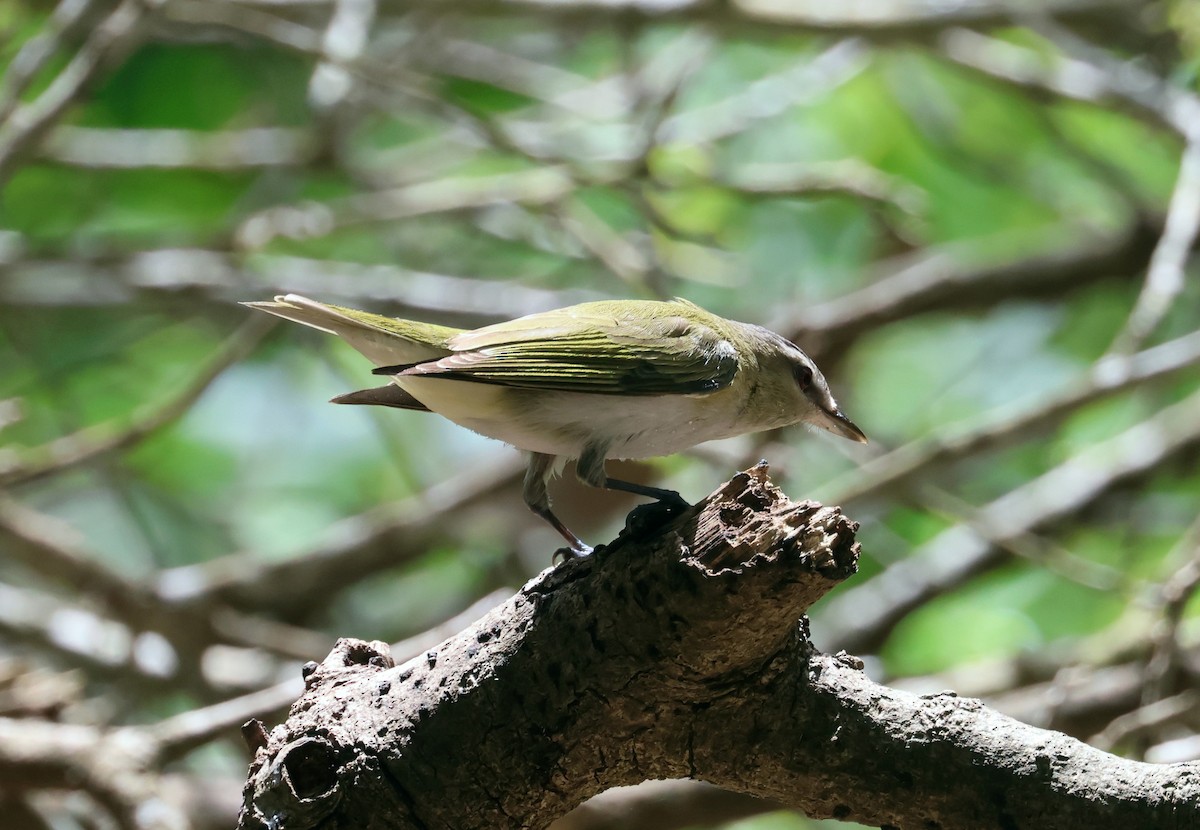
{"x": 598, "y": 351}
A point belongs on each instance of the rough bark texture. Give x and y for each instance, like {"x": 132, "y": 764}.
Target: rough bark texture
{"x": 676, "y": 655}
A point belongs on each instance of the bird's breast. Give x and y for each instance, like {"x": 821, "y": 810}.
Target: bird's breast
{"x": 563, "y": 423}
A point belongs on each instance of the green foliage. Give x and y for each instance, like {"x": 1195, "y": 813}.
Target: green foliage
{"x": 932, "y": 171}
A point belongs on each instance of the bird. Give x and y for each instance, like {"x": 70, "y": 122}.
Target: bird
{"x": 598, "y": 380}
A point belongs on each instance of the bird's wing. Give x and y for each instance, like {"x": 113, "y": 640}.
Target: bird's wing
{"x": 586, "y": 351}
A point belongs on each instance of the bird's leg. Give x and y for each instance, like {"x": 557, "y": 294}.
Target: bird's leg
{"x": 537, "y": 497}
{"x": 590, "y": 469}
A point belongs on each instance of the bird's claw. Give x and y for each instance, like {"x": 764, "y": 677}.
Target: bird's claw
{"x": 648, "y": 517}
{"x": 567, "y": 553}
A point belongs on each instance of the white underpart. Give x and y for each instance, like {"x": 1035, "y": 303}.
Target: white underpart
{"x": 563, "y": 423}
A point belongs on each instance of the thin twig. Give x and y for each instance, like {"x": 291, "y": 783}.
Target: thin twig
{"x": 311, "y": 220}
{"x": 1166, "y": 654}
{"x": 1164, "y": 278}
{"x": 36, "y": 53}
{"x": 1106, "y": 378}
{"x": 859, "y": 619}
{"x": 29, "y": 122}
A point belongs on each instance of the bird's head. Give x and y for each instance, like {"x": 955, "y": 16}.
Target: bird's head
{"x": 790, "y": 387}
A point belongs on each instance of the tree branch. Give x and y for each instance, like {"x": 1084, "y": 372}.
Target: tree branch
{"x": 676, "y": 654}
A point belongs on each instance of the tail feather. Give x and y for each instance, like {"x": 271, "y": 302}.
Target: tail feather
{"x": 390, "y": 395}
{"x": 382, "y": 340}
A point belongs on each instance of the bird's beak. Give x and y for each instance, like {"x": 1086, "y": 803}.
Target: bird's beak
{"x": 839, "y": 424}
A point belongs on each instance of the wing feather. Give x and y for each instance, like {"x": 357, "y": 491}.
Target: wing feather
{"x": 599, "y": 348}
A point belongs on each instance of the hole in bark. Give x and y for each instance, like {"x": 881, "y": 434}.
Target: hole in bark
{"x": 841, "y": 812}
{"x": 311, "y": 769}
{"x": 733, "y": 516}
{"x": 755, "y": 500}
{"x": 360, "y": 654}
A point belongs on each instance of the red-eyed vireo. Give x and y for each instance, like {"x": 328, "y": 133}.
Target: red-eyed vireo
{"x": 609, "y": 379}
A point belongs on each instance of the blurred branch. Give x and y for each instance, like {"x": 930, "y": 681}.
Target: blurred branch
{"x": 310, "y": 220}
{"x": 343, "y": 43}
{"x": 893, "y": 20}
{"x": 111, "y": 766}
{"x": 256, "y": 19}
{"x": 383, "y": 538}
{"x": 462, "y": 58}
{"x": 27, "y": 690}
{"x": 1182, "y": 707}
{"x": 92, "y": 442}
{"x": 22, "y": 814}
{"x": 849, "y": 177}
{"x": 224, "y": 278}
{"x": 1129, "y": 79}
{"x": 806, "y": 81}
{"x": 946, "y": 279}
{"x": 1108, "y": 377}
{"x": 471, "y": 301}
{"x": 279, "y": 639}
{"x": 884, "y": 195}
{"x": 37, "y": 52}
{"x": 1094, "y": 75}
{"x": 55, "y": 630}
{"x": 674, "y": 804}
{"x": 55, "y": 550}
{"x": 1164, "y": 278}
{"x": 859, "y": 619}
{"x": 179, "y": 734}
{"x": 1164, "y": 663}
{"x": 1128, "y": 87}
{"x": 109, "y": 648}
{"x": 27, "y": 123}
{"x": 1074, "y": 689}
{"x": 212, "y": 150}
{"x": 1056, "y": 559}
{"x": 618, "y": 254}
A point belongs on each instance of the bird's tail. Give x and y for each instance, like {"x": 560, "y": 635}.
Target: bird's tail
{"x": 384, "y": 341}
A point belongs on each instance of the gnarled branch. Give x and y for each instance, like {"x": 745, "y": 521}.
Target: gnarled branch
{"x": 667, "y": 655}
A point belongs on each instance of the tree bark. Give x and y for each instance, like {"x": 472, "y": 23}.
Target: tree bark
{"x": 676, "y": 653}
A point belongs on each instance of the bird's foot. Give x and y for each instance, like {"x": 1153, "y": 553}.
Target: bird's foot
{"x": 649, "y": 517}
{"x": 568, "y": 552}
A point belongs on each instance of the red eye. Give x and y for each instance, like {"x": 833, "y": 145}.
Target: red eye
{"x": 804, "y": 376}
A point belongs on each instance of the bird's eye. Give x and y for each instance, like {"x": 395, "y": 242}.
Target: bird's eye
{"x": 804, "y": 376}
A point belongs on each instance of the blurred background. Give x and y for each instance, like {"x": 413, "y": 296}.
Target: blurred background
{"x": 978, "y": 218}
